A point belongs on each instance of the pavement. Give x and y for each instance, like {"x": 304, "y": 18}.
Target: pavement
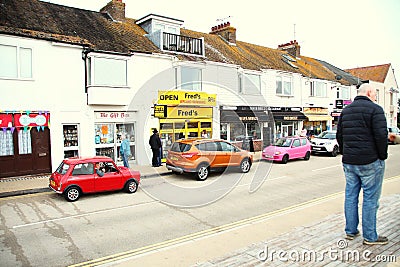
{"x": 306, "y": 234}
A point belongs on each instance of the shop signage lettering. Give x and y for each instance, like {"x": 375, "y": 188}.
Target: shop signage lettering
{"x": 248, "y": 118}
{"x": 290, "y": 118}
{"x": 112, "y": 115}
{"x": 315, "y": 110}
{"x": 188, "y": 113}
{"x": 186, "y": 98}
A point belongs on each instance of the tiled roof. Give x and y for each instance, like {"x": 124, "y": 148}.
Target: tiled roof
{"x": 33, "y": 18}
{"x": 374, "y": 73}
{"x": 43, "y": 20}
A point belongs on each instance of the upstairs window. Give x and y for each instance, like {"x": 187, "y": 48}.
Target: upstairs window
{"x": 284, "y": 85}
{"x": 107, "y": 71}
{"x": 251, "y": 84}
{"x": 343, "y": 93}
{"x": 318, "y": 89}
{"x": 191, "y": 79}
{"x": 16, "y": 62}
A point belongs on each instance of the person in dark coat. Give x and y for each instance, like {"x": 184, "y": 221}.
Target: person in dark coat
{"x": 362, "y": 136}
{"x": 155, "y": 144}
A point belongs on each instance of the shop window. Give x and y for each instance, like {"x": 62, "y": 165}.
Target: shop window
{"x": 224, "y": 131}
{"x": 237, "y": 131}
{"x": 24, "y": 142}
{"x": 71, "y": 141}
{"x": 129, "y": 131}
{"x": 108, "y": 137}
{"x": 205, "y": 124}
{"x": 165, "y": 126}
{"x": 193, "y": 125}
{"x": 6, "y": 143}
{"x": 16, "y": 62}
{"x": 179, "y": 126}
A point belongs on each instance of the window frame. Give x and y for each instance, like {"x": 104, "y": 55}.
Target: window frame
{"x": 191, "y": 85}
{"x": 18, "y": 64}
{"x": 92, "y": 71}
{"x": 247, "y": 77}
{"x": 282, "y": 80}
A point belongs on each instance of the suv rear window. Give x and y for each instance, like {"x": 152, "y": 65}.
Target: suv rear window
{"x": 180, "y": 147}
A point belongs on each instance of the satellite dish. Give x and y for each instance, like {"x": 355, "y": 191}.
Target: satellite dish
{"x": 338, "y": 77}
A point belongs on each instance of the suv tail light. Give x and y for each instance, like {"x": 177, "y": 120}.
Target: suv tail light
{"x": 190, "y": 155}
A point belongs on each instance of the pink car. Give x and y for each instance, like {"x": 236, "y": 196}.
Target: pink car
{"x": 291, "y": 147}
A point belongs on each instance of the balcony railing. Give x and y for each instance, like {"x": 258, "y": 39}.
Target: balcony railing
{"x": 184, "y": 44}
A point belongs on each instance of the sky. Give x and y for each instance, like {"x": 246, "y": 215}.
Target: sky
{"x": 344, "y": 33}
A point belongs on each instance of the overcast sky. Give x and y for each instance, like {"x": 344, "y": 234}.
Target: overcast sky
{"x": 345, "y": 33}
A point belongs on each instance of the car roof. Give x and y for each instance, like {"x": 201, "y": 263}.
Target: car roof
{"x": 76, "y": 160}
{"x": 198, "y": 140}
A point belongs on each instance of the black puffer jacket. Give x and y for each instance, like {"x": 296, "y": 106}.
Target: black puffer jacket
{"x": 362, "y": 132}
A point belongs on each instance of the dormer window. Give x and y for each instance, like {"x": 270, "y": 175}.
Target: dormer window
{"x": 165, "y": 33}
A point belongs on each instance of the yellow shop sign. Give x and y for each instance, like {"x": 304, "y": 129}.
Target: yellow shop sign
{"x": 186, "y": 98}
{"x": 188, "y": 113}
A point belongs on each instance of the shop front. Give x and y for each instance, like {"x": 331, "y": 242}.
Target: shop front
{"x": 288, "y": 120}
{"x": 184, "y": 114}
{"x": 318, "y": 120}
{"x": 24, "y": 143}
{"x": 240, "y": 123}
{"x": 109, "y": 128}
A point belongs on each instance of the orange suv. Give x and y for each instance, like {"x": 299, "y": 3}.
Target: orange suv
{"x": 200, "y": 156}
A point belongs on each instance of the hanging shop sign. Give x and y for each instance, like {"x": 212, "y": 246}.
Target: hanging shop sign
{"x": 31, "y": 120}
{"x": 184, "y": 98}
{"x": 6, "y": 120}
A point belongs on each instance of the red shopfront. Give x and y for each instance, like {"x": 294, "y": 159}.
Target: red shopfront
{"x": 24, "y": 143}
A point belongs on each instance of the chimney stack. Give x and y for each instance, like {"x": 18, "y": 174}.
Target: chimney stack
{"x": 116, "y": 9}
{"x": 293, "y": 48}
{"x": 226, "y": 31}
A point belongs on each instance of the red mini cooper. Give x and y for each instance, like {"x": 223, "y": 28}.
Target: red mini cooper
{"x": 77, "y": 176}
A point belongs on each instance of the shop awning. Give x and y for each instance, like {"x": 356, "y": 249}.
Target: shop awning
{"x": 244, "y": 116}
{"x": 289, "y": 116}
{"x": 319, "y": 117}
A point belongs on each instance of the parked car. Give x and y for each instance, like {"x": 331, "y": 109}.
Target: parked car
{"x": 77, "y": 176}
{"x": 395, "y": 131}
{"x": 200, "y": 156}
{"x": 287, "y": 148}
{"x": 325, "y": 142}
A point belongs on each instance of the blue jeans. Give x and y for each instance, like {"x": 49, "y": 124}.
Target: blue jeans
{"x": 125, "y": 160}
{"x": 369, "y": 177}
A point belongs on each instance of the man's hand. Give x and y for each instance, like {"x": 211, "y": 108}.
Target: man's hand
{"x": 392, "y": 136}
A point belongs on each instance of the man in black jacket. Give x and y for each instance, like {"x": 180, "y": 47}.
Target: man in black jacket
{"x": 155, "y": 144}
{"x": 362, "y": 136}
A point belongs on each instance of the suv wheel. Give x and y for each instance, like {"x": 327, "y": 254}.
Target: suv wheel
{"x": 72, "y": 193}
{"x": 245, "y": 165}
{"x": 202, "y": 172}
{"x": 335, "y": 151}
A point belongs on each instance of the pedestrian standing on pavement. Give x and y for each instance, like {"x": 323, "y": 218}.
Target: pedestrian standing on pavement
{"x": 155, "y": 144}
{"x": 125, "y": 150}
{"x": 362, "y": 136}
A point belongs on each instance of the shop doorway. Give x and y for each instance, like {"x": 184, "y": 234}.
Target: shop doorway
{"x": 28, "y": 153}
